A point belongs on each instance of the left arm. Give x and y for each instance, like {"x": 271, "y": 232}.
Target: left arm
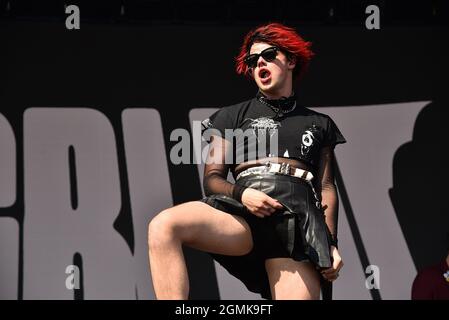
{"x": 327, "y": 191}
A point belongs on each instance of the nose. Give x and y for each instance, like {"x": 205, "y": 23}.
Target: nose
{"x": 261, "y": 62}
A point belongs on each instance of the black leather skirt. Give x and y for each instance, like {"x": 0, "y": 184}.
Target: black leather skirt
{"x": 297, "y": 231}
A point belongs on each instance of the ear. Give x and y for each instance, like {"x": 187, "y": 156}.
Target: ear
{"x": 291, "y": 62}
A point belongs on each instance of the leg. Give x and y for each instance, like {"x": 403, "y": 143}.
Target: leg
{"x": 290, "y": 279}
{"x": 199, "y": 226}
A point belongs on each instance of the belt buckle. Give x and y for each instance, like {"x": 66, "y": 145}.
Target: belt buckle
{"x": 285, "y": 168}
{"x": 267, "y": 166}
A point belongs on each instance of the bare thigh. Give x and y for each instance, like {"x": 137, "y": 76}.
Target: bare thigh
{"x": 290, "y": 279}
{"x": 200, "y": 226}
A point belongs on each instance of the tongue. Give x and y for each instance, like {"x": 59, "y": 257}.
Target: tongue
{"x": 265, "y": 75}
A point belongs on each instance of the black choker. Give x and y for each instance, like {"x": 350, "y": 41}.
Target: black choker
{"x": 280, "y": 106}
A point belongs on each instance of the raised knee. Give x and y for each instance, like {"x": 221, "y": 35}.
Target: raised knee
{"x": 161, "y": 229}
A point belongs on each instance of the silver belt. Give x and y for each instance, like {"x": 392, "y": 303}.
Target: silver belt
{"x": 283, "y": 168}
{"x": 280, "y": 168}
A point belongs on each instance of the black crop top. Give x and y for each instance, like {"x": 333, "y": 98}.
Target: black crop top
{"x": 301, "y": 133}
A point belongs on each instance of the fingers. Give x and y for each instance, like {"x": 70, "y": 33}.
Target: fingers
{"x": 331, "y": 278}
{"x": 265, "y": 208}
{"x": 273, "y": 203}
{"x": 265, "y": 211}
{"x": 262, "y": 212}
{"x": 332, "y": 273}
{"x": 261, "y": 205}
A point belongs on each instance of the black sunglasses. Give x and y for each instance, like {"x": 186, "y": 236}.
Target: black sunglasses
{"x": 269, "y": 54}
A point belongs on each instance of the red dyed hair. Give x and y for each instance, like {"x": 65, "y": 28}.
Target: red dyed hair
{"x": 283, "y": 37}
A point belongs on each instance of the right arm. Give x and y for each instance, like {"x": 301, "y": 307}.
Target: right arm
{"x": 215, "y": 181}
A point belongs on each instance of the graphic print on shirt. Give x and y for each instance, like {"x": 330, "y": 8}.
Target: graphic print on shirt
{"x": 262, "y": 124}
{"x": 309, "y": 140}
{"x": 265, "y": 130}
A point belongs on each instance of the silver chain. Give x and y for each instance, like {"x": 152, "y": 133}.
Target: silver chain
{"x": 280, "y": 112}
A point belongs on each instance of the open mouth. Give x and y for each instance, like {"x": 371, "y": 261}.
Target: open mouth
{"x": 264, "y": 75}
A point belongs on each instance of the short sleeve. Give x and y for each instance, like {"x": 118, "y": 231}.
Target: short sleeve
{"x": 217, "y": 123}
{"x": 332, "y": 135}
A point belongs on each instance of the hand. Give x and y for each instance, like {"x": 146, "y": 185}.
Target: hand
{"x": 331, "y": 274}
{"x": 259, "y": 203}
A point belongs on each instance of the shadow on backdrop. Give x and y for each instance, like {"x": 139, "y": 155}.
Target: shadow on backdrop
{"x": 417, "y": 195}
